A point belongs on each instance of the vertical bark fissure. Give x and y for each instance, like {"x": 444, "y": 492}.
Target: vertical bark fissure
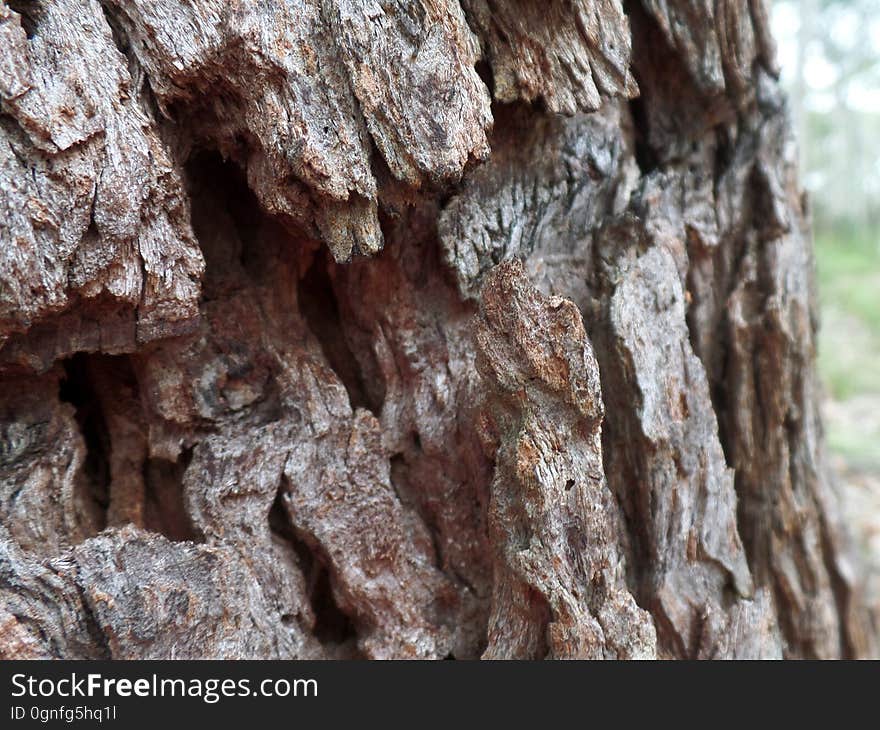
{"x": 330, "y": 625}
{"x": 317, "y": 301}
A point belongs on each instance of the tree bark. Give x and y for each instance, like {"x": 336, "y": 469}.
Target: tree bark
{"x": 408, "y": 329}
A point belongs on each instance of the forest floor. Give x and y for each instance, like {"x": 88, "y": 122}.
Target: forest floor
{"x": 849, "y": 362}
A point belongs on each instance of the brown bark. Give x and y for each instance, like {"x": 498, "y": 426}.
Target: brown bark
{"x": 412, "y": 329}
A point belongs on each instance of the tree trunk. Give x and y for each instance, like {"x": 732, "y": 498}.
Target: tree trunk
{"x": 333, "y": 328}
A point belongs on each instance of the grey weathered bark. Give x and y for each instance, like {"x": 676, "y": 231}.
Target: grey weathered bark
{"x": 408, "y": 329}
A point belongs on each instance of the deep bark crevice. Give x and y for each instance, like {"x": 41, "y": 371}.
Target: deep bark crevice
{"x": 409, "y": 497}
{"x": 332, "y": 626}
{"x": 319, "y": 307}
{"x": 120, "y": 40}
{"x": 165, "y": 510}
{"x": 226, "y": 219}
{"x": 30, "y": 12}
{"x": 77, "y": 388}
{"x": 646, "y": 157}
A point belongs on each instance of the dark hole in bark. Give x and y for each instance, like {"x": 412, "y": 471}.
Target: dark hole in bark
{"x": 399, "y": 478}
{"x": 332, "y": 625}
{"x": 164, "y": 507}
{"x": 226, "y": 220}
{"x": 669, "y": 113}
{"x": 725, "y": 150}
{"x": 484, "y": 71}
{"x": 569, "y": 484}
{"x": 87, "y": 375}
{"x": 31, "y": 15}
{"x": 78, "y": 389}
{"x": 646, "y": 158}
{"x": 319, "y": 307}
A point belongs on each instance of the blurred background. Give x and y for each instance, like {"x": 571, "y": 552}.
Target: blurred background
{"x": 829, "y": 51}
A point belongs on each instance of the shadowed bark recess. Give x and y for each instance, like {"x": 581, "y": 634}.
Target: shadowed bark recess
{"x": 316, "y": 342}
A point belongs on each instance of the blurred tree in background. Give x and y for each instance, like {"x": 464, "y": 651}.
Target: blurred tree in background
{"x": 830, "y": 55}
{"x": 829, "y": 51}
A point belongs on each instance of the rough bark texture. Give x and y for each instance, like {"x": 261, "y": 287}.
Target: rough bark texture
{"x": 408, "y": 329}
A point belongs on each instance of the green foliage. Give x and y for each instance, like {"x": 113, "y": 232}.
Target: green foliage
{"x": 849, "y": 275}
{"x": 848, "y": 263}
{"x": 849, "y": 291}
{"x": 831, "y": 67}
